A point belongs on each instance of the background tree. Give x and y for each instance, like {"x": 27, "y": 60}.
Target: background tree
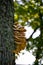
{"x": 6, "y": 32}
{"x": 30, "y": 13}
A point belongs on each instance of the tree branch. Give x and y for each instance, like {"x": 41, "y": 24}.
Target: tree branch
{"x": 32, "y": 33}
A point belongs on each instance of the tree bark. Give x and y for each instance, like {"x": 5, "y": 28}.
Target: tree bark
{"x": 6, "y": 35}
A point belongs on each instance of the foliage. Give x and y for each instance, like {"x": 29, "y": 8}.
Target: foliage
{"x": 30, "y": 12}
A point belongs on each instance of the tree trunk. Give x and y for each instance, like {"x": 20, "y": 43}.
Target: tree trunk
{"x": 6, "y": 35}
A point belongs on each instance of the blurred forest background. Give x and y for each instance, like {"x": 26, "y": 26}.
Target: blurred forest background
{"x": 30, "y": 13}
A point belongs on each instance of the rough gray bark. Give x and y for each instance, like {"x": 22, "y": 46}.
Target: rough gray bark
{"x": 6, "y": 32}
